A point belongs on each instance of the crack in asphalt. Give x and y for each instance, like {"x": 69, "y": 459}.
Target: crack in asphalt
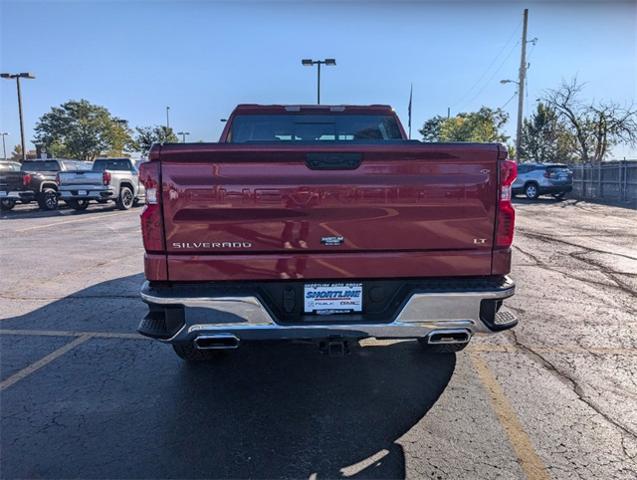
{"x": 549, "y": 239}
{"x": 609, "y": 274}
{"x": 575, "y": 387}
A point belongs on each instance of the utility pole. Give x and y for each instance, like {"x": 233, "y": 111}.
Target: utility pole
{"x": 4, "y": 148}
{"x": 521, "y": 80}
{"x": 167, "y": 118}
{"x": 18, "y": 76}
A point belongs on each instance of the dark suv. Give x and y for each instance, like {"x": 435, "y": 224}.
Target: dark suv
{"x": 39, "y": 177}
{"x": 535, "y": 179}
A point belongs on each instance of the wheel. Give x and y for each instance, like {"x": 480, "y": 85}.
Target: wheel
{"x": 532, "y": 191}
{"x": 441, "y": 347}
{"x": 7, "y": 204}
{"x": 48, "y": 199}
{"x": 188, "y": 352}
{"x": 125, "y": 199}
{"x": 559, "y": 196}
{"x": 78, "y": 204}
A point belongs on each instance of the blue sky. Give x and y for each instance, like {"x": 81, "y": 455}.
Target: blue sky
{"x": 202, "y": 58}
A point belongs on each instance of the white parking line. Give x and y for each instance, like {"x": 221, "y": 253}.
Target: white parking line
{"x": 88, "y": 217}
{"x": 25, "y": 372}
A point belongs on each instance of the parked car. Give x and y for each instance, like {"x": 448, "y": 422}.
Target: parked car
{"x": 535, "y": 179}
{"x": 110, "y": 179}
{"x": 325, "y": 223}
{"x": 39, "y": 177}
{"x": 12, "y": 187}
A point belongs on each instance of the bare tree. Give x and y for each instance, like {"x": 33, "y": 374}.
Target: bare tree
{"x": 596, "y": 127}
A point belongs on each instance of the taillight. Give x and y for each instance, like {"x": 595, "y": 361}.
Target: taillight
{"x": 26, "y": 179}
{"x": 505, "y": 221}
{"x": 106, "y": 177}
{"x": 151, "y": 216}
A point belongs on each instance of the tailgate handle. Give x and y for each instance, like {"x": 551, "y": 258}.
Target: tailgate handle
{"x": 333, "y": 161}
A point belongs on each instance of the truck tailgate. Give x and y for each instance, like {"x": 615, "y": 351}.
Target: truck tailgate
{"x": 406, "y": 209}
{"x": 10, "y": 181}
{"x": 80, "y": 177}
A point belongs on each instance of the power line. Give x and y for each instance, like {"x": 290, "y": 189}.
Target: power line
{"x": 496, "y": 71}
{"x": 484, "y": 73}
{"x": 509, "y": 100}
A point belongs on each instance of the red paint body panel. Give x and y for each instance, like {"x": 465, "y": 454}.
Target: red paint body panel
{"x": 401, "y": 197}
{"x": 328, "y": 265}
{"x": 501, "y": 262}
{"x": 155, "y": 267}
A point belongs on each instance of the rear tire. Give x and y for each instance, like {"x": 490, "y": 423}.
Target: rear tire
{"x": 7, "y": 204}
{"x": 48, "y": 199}
{"x": 126, "y": 198}
{"x": 441, "y": 347}
{"x": 188, "y": 352}
{"x": 78, "y": 204}
{"x": 532, "y": 191}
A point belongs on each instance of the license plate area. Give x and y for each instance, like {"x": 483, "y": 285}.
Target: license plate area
{"x": 81, "y": 192}
{"x": 332, "y": 298}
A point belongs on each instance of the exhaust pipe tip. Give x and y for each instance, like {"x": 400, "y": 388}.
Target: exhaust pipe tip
{"x": 447, "y": 337}
{"x": 216, "y": 342}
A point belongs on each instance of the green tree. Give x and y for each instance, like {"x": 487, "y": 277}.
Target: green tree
{"x": 146, "y": 136}
{"x": 485, "y": 125}
{"x": 430, "y": 131}
{"x": 81, "y": 130}
{"x": 16, "y": 155}
{"x": 545, "y": 138}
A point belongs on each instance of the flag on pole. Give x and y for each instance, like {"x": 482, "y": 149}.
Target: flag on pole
{"x": 411, "y": 91}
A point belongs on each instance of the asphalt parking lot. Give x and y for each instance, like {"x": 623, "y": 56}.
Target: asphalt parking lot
{"x": 82, "y": 396}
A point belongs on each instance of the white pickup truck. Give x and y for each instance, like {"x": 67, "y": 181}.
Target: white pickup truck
{"x": 110, "y": 179}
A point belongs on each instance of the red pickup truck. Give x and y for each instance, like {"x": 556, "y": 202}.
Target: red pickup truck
{"x": 325, "y": 223}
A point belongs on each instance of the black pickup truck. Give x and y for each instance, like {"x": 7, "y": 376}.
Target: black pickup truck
{"x": 13, "y": 187}
{"x": 39, "y": 177}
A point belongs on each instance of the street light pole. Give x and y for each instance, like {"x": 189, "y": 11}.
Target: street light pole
{"x": 307, "y": 62}
{"x": 4, "y": 148}
{"x": 183, "y": 136}
{"x": 167, "y": 118}
{"x": 318, "y": 83}
{"x": 17, "y": 77}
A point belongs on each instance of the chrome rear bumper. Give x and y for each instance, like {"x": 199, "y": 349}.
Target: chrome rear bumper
{"x": 247, "y": 317}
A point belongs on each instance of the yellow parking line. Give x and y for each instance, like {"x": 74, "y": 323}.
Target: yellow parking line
{"x": 89, "y": 217}
{"x": 530, "y": 461}
{"x": 25, "y": 372}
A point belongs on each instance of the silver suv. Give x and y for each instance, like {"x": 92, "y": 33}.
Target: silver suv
{"x": 535, "y": 179}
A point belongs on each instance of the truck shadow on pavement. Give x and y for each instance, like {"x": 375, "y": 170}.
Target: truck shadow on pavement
{"x": 125, "y": 408}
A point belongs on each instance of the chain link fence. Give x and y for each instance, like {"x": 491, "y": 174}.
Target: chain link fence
{"x": 613, "y": 182}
